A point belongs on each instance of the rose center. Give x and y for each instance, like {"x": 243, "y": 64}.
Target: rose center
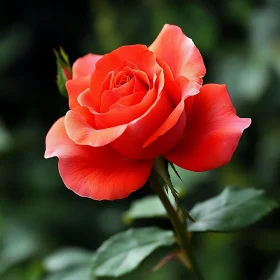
{"x": 122, "y": 78}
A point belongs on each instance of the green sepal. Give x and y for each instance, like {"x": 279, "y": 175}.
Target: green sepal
{"x": 161, "y": 167}
{"x": 175, "y": 170}
{"x": 64, "y": 71}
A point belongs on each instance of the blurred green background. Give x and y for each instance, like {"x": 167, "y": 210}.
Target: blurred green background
{"x": 240, "y": 43}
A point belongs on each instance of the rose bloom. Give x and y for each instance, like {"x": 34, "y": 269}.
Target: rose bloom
{"x": 138, "y": 103}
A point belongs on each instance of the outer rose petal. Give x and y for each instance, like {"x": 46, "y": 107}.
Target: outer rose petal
{"x": 57, "y": 141}
{"x": 212, "y": 131}
{"x": 179, "y": 53}
{"x": 174, "y": 116}
{"x": 74, "y": 89}
{"x": 82, "y": 133}
{"x": 167, "y": 125}
{"x": 82, "y": 68}
{"x": 97, "y": 173}
{"x": 85, "y": 65}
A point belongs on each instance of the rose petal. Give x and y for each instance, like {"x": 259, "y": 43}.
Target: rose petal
{"x": 130, "y": 143}
{"x": 102, "y": 174}
{"x": 74, "y": 89}
{"x": 212, "y": 131}
{"x": 170, "y": 86}
{"x": 84, "y": 134}
{"x": 166, "y": 141}
{"x": 110, "y": 97}
{"x": 167, "y": 125}
{"x": 141, "y": 81}
{"x": 85, "y": 65}
{"x": 179, "y": 52}
{"x": 188, "y": 88}
{"x": 97, "y": 173}
{"x": 123, "y": 94}
{"x": 120, "y": 114}
{"x": 138, "y": 55}
{"x": 130, "y": 100}
{"x": 57, "y": 141}
{"x": 135, "y": 54}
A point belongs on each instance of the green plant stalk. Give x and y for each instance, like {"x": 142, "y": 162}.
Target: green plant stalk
{"x": 178, "y": 226}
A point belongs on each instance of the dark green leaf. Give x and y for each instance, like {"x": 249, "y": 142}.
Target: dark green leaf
{"x": 125, "y": 251}
{"x": 234, "y": 209}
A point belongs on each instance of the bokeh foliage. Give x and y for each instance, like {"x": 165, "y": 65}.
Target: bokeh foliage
{"x": 240, "y": 43}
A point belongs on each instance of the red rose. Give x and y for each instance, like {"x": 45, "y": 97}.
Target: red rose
{"x": 135, "y": 104}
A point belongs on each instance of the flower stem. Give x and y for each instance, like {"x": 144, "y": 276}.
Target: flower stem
{"x": 178, "y": 226}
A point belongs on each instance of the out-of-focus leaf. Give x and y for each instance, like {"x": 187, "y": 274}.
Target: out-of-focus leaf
{"x": 146, "y": 207}
{"x": 69, "y": 263}
{"x": 67, "y": 258}
{"x": 34, "y": 270}
{"x": 246, "y": 75}
{"x": 5, "y": 139}
{"x": 268, "y": 153}
{"x": 238, "y": 10}
{"x": 233, "y": 209}
{"x": 196, "y": 20}
{"x": 18, "y": 245}
{"x": 276, "y": 56}
{"x": 203, "y": 32}
{"x": 80, "y": 273}
{"x": 108, "y": 34}
{"x": 125, "y": 251}
{"x": 263, "y": 27}
{"x": 276, "y": 273}
{"x": 218, "y": 254}
{"x": 253, "y": 77}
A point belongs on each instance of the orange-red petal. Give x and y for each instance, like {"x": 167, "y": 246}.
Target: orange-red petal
{"x": 85, "y": 65}
{"x": 74, "y": 89}
{"x": 130, "y": 143}
{"x": 167, "y": 125}
{"x": 179, "y": 52}
{"x": 97, "y": 173}
{"x": 57, "y": 141}
{"x": 170, "y": 86}
{"x": 82, "y": 133}
{"x": 120, "y": 114}
{"x": 212, "y": 131}
{"x": 133, "y": 54}
{"x": 109, "y": 97}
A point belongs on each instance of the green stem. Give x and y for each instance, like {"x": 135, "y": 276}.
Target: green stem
{"x": 177, "y": 225}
